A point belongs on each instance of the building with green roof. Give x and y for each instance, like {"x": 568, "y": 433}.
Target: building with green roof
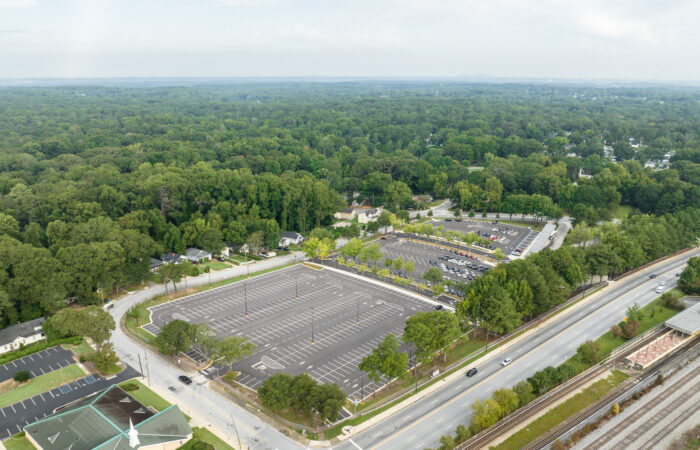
{"x": 110, "y": 420}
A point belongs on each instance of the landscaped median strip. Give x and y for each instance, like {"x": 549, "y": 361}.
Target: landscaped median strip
{"x": 41, "y": 384}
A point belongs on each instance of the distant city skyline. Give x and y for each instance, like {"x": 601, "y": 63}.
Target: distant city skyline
{"x": 583, "y": 40}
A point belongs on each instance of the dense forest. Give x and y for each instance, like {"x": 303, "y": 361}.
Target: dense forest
{"x": 96, "y": 180}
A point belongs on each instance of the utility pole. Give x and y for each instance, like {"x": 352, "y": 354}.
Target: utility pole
{"x": 296, "y": 287}
{"x": 140, "y": 366}
{"x": 312, "y": 326}
{"x": 236, "y": 429}
{"x": 357, "y": 321}
{"x": 148, "y": 371}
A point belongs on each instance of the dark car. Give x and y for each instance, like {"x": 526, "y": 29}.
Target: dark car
{"x": 185, "y": 379}
{"x": 471, "y": 372}
{"x": 653, "y": 275}
{"x": 438, "y": 307}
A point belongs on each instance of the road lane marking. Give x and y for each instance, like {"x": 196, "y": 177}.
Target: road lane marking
{"x": 520, "y": 359}
{"x": 353, "y": 443}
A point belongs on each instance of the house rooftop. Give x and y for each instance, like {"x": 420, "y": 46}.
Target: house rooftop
{"x": 24, "y": 329}
{"x": 291, "y": 234}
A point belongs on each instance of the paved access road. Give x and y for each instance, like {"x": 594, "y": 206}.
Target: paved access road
{"x": 422, "y": 424}
{"x": 39, "y": 363}
{"x": 196, "y": 400}
{"x": 16, "y": 416}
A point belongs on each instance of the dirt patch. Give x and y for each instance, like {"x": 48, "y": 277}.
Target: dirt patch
{"x": 9, "y": 385}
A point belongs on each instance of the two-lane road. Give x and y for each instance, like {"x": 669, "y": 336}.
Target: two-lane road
{"x": 422, "y": 424}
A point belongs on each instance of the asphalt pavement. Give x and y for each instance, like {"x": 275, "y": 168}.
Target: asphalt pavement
{"x": 15, "y": 417}
{"x": 39, "y": 363}
{"x": 422, "y": 424}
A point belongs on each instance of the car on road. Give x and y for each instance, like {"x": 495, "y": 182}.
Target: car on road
{"x": 471, "y": 372}
{"x": 438, "y": 307}
{"x": 185, "y": 379}
{"x": 653, "y": 275}
{"x": 662, "y": 282}
{"x": 659, "y": 289}
{"x": 506, "y": 361}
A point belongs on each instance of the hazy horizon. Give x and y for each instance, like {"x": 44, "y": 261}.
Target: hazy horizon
{"x": 384, "y": 39}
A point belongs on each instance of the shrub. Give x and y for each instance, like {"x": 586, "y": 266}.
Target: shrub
{"x": 447, "y": 442}
{"x": 615, "y": 409}
{"x": 558, "y": 445}
{"x": 129, "y": 387}
{"x": 589, "y": 352}
{"x": 463, "y": 433}
{"x": 231, "y": 376}
{"x": 82, "y": 358}
{"x": 630, "y": 329}
{"x": 616, "y": 331}
{"x": 21, "y": 376}
{"x": 201, "y": 445}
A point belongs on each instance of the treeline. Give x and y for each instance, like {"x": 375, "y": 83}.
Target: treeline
{"x": 94, "y": 181}
{"x": 504, "y": 297}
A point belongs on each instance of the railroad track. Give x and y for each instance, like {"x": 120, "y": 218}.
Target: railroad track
{"x": 511, "y": 421}
{"x": 652, "y": 420}
{"x": 653, "y": 371}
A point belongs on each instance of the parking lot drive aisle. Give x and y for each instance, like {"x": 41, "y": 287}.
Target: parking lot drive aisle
{"x": 38, "y": 364}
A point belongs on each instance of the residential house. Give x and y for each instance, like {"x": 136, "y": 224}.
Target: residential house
{"x": 110, "y": 420}
{"x": 14, "y": 336}
{"x": 196, "y": 255}
{"x": 368, "y": 215}
{"x": 155, "y": 264}
{"x": 290, "y": 237}
{"x": 173, "y": 258}
{"x": 345, "y": 214}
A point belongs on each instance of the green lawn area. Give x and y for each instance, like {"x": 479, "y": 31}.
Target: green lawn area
{"x": 81, "y": 349}
{"x": 622, "y": 211}
{"x": 215, "y": 265}
{"x": 562, "y": 411}
{"x": 146, "y": 396}
{"x": 661, "y": 313}
{"x": 42, "y": 383}
{"x": 204, "y": 435}
{"x": 18, "y": 442}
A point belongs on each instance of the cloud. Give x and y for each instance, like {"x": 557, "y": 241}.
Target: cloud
{"x": 17, "y": 3}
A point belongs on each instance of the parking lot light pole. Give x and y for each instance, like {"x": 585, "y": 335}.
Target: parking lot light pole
{"x": 296, "y": 289}
{"x": 357, "y": 322}
{"x": 312, "y": 326}
{"x": 245, "y": 296}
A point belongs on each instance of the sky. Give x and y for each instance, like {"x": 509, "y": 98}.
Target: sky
{"x": 549, "y": 39}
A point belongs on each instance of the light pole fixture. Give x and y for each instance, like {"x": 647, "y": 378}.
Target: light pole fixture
{"x": 312, "y": 326}
{"x": 245, "y": 296}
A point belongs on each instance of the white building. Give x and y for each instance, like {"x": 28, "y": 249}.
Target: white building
{"x": 368, "y": 215}
{"x": 290, "y": 237}
{"x": 197, "y": 255}
{"x": 25, "y": 333}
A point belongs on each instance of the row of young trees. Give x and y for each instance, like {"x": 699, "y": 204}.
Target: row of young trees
{"x": 502, "y": 298}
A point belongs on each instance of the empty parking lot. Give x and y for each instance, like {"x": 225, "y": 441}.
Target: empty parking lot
{"x": 508, "y": 237}
{"x": 302, "y": 320}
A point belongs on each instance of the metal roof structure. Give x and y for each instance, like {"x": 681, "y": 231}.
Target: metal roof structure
{"x": 687, "y": 321}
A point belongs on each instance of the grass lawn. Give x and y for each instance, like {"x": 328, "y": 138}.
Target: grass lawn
{"x": 146, "y": 396}
{"x": 81, "y": 349}
{"x": 18, "y": 442}
{"x": 42, "y": 383}
{"x": 204, "y": 435}
{"x": 622, "y": 211}
{"x": 561, "y": 412}
{"x": 661, "y": 313}
{"x": 215, "y": 265}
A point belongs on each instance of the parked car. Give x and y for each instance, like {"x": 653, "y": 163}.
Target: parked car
{"x": 506, "y": 361}
{"x": 471, "y": 372}
{"x": 185, "y": 379}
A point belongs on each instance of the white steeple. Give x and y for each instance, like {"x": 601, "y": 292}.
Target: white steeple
{"x": 133, "y": 435}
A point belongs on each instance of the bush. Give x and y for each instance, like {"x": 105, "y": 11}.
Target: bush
{"x": 463, "y": 433}
{"x": 201, "y": 445}
{"x": 82, "y": 358}
{"x": 616, "y": 331}
{"x": 630, "y": 329}
{"x": 129, "y": 387}
{"x": 558, "y": 445}
{"x": 615, "y": 409}
{"x": 447, "y": 442}
{"x": 589, "y": 352}
{"x": 231, "y": 376}
{"x": 21, "y": 376}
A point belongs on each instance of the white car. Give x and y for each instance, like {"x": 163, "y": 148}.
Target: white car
{"x": 659, "y": 289}
{"x": 662, "y": 282}
{"x": 506, "y": 361}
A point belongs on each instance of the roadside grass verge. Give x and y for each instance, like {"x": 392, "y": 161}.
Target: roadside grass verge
{"x": 204, "y": 435}
{"x": 18, "y": 442}
{"x": 41, "y": 384}
{"x": 563, "y": 411}
{"x": 214, "y": 265}
{"x": 144, "y": 395}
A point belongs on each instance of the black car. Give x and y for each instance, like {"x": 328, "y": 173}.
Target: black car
{"x": 653, "y": 275}
{"x": 185, "y": 379}
{"x": 438, "y": 307}
{"x": 471, "y": 372}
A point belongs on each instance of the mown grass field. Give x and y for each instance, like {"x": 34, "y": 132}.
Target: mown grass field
{"x": 41, "y": 383}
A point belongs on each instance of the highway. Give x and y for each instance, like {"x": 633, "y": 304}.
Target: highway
{"x": 422, "y": 424}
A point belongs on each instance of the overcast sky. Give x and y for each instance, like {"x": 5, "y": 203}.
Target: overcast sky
{"x": 601, "y": 39}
